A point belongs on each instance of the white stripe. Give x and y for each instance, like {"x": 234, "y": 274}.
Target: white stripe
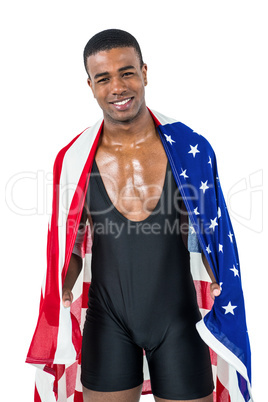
{"x": 223, "y": 372}
{"x": 198, "y": 270}
{"x": 203, "y": 311}
{"x": 229, "y": 357}
{"x": 146, "y": 373}
{"x": 234, "y": 391}
{"x": 83, "y": 318}
{"x": 214, "y": 375}
{"x": 87, "y": 268}
{"x": 65, "y": 352}
{"x": 227, "y": 376}
{"x": 44, "y": 384}
{"x": 72, "y": 168}
{"x": 164, "y": 119}
{"x": 78, "y": 385}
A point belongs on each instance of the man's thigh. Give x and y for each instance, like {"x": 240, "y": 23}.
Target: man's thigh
{"x": 180, "y": 368}
{"x": 208, "y": 398}
{"x": 111, "y": 361}
{"x": 129, "y": 395}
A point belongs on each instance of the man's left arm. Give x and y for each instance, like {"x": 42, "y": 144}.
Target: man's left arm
{"x": 215, "y": 289}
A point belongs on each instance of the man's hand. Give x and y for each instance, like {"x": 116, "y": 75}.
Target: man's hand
{"x": 73, "y": 272}
{"x": 215, "y": 290}
{"x": 67, "y": 297}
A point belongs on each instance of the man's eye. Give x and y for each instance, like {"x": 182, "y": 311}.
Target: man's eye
{"x": 127, "y": 74}
{"x": 103, "y": 80}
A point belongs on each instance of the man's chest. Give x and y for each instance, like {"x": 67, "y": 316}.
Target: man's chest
{"x": 133, "y": 180}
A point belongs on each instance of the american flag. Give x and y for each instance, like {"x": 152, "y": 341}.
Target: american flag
{"x": 56, "y": 344}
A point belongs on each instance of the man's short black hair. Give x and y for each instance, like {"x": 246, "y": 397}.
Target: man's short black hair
{"x": 110, "y": 39}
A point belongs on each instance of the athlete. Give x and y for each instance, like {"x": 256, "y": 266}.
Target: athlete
{"x": 129, "y": 194}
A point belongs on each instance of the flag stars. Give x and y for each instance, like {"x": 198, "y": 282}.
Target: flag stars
{"x": 169, "y": 139}
{"x": 219, "y": 212}
{"x": 196, "y": 212}
{"x": 194, "y": 150}
{"x": 220, "y": 248}
{"x": 204, "y": 186}
{"x": 235, "y": 271}
{"x": 208, "y": 249}
{"x": 213, "y": 224}
{"x": 192, "y": 229}
{"x": 183, "y": 174}
{"x": 230, "y": 235}
{"x": 209, "y": 161}
{"x": 229, "y": 308}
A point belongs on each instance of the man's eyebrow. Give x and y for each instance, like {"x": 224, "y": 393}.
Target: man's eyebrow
{"x": 107, "y": 73}
{"x": 126, "y": 68}
{"x": 101, "y": 75}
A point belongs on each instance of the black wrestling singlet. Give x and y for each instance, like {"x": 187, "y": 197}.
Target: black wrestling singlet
{"x": 142, "y": 294}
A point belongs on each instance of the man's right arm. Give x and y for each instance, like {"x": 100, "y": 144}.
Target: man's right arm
{"x": 74, "y": 268}
{"x": 73, "y": 272}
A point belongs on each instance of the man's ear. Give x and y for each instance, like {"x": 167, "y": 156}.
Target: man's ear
{"x": 89, "y": 82}
{"x": 144, "y": 74}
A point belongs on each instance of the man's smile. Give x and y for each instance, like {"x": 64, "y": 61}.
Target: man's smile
{"x": 122, "y": 104}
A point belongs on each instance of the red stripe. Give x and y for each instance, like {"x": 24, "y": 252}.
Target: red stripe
{"x": 78, "y": 396}
{"x": 76, "y": 335}
{"x": 213, "y": 357}
{"x": 86, "y": 286}
{"x": 36, "y": 396}
{"x": 57, "y": 370}
{"x": 222, "y": 393}
{"x": 72, "y": 225}
{"x": 76, "y": 308}
{"x": 44, "y": 343}
{"x": 203, "y": 294}
{"x": 71, "y": 373}
{"x": 146, "y": 387}
{"x": 77, "y": 204}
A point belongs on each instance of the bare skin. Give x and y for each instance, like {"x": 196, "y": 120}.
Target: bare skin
{"x": 129, "y": 395}
{"x": 133, "y": 176}
{"x": 208, "y": 398}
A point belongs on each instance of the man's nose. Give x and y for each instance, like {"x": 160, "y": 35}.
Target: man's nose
{"x": 118, "y": 86}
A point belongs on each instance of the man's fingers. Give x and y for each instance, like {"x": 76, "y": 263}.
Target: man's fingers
{"x": 67, "y": 298}
{"x": 215, "y": 290}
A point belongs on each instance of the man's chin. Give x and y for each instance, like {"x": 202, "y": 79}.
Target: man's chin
{"x": 125, "y": 117}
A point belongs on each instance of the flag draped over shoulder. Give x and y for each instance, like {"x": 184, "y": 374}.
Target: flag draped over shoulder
{"x": 56, "y": 345}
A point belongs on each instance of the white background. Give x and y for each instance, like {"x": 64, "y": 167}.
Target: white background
{"x": 207, "y": 67}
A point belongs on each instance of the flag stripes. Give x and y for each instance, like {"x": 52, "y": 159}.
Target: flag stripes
{"x": 56, "y": 342}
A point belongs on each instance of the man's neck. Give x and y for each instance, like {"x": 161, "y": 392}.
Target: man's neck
{"x": 131, "y": 133}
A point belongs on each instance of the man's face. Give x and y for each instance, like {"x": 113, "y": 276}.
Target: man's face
{"x": 117, "y": 82}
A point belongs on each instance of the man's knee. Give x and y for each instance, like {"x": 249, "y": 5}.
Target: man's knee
{"x": 129, "y": 395}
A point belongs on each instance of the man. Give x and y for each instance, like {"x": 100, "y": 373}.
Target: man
{"x": 142, "y": 295}
{"x": 117, "y": 78}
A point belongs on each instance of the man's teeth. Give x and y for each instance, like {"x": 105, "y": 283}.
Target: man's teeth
{"x": 122, "y": 103}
